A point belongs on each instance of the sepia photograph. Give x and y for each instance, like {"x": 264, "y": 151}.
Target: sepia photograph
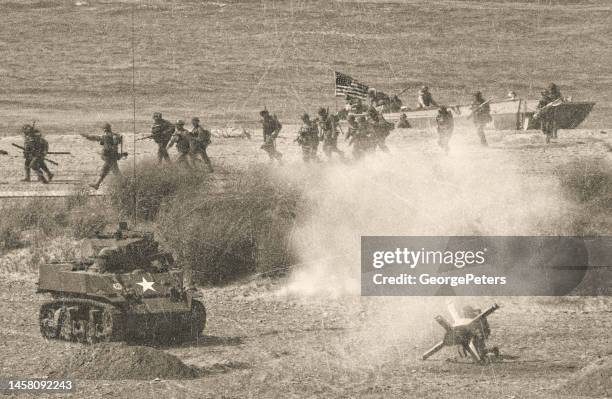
{"x": 306, "y": 199}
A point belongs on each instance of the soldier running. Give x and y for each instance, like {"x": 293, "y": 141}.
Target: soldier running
{"x": 445, "y": 124}
{"x": 161, "y": 132}
{"x": 200, "y": 140}
{"x": 35, "y": 150}
{"x": 328, "y": 133}
{"x": 111, "y": 153}
{"x": 271, "y": 128}
{"x": 481, "y": 115}
{"x": 361, "y": 138}
{"x": 308, "y": 139}
{"x": 381, "y": 129}
{"x": 182, "y": 139}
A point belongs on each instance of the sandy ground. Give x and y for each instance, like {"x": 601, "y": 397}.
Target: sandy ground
{"x": 263, "y": 340}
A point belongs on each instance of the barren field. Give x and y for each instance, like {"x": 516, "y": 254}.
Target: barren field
{"x": 310, "y": 334}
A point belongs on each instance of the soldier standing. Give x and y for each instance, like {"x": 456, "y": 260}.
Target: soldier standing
{"x": 182, "y": 139}
{"x": 161, "y": 132}
{"x": 110, "y": 143}
{"x": 200, "y": 139}
{"x": 545, "y": 111}
{"x": 308, "y": 139}
{"x": 328, "y": 133}
{"x": 445, "y": 124}
{"x": 271, "y": 128}
{"x": 481, "y": 115}
{"x": 403, "y": 122}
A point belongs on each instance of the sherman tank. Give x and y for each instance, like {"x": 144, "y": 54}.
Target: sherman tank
{"x": 121, "y": 288}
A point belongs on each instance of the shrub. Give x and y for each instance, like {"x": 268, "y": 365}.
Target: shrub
{"x": 246, "y": 228}
{"x": 142, "y": 193}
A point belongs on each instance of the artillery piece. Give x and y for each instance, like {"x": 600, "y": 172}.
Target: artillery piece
{"x": 123, "y": 288}
{"x": 469, "y": 333}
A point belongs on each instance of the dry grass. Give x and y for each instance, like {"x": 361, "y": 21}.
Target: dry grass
{"x": 245, "y": 229}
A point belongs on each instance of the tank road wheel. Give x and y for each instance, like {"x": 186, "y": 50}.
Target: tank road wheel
{"x": 197, "y": 321}
{"x": 49, "y": 323}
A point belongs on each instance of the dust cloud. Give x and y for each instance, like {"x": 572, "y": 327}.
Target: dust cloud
{"x": 415, "y": 190}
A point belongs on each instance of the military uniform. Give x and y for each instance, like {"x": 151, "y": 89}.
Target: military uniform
{"x": 308, "y": 139}
{"x": 110, "y": 143}
{"x": 329, "y": 134}
{"x": 161, "y": 132}
{"x": 38, "y": 149}
{"x": 182, "y": 139}
{"x": 200, "y": 139}
{"x": 445, "y": 125}
{"x": 403, "y": 122}
{"x": 425, "y": 98}
{"x": 271, "y": 127}
{"x": 481, "y": 115}
{"x": 546, "y": 113}
{"x": 362, "y": 139}
{"x": 381, "y": 129}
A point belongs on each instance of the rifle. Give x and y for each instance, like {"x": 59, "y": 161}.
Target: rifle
{"x": 2, "y": 152}
{"x": 23, "y": 149}
{"x": 403, "y": 91}
{"x": 538, "y": 113}
{"x": 145, "y": 137}
{"x": 471, "y": 115}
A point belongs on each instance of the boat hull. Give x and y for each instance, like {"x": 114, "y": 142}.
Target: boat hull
{"x": 506, "y": 115}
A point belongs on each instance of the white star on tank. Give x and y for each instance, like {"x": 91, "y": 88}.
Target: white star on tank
{"x": 146, "y": 285}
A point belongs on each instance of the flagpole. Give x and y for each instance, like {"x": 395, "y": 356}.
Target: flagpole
{"x": 335, "y": 98}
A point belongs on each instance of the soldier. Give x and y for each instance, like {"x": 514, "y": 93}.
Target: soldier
{"x": 381, "y": 129}
{"x": 352, "y": 127}
{"x": 445, "y": 124}
{"x": 308, "y": 139}
{"x": 182, "y": 139}
{"x": 271, "y": 128}
{"x": 545, "y": 111}
{"x": 403, "y": 122}
{"x": 200, "y": 140}
{"x": 35, "y": 151}
{"x": 111, "y": 153}
{"x": 481, "y": 115}
{"x": 161, "y": 133}
{"x": 361, "y": 139}
{"x": 328, "y": 133}
{"x": 425, "y": 98}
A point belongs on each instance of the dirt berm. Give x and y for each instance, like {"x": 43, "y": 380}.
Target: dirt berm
{"x": 594, "y": 380}
{"x": 118, "y": 361}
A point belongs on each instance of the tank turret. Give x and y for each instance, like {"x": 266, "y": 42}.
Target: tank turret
{"x": 121, "y": 287}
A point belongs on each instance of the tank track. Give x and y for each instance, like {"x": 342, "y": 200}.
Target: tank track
{"x": 81, "y": 320}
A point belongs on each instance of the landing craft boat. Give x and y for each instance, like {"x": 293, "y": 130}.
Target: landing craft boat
{"x": 510, "y": 114}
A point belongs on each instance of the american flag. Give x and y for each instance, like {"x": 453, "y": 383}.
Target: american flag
{"x": 345, "y": 85}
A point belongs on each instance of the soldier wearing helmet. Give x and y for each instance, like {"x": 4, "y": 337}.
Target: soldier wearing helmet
{"x": 200, "y": 140}
{"x": 35, "y": 150}
{"x": 182, "y": 139}
{"x": 271, "y": 127}
{"x": 161, "y": 132}
{"x": 328, "y": 133}
{"x": 545, "y": 111}
{"x": 380, "y": 129}
{"x": 445, "y": 125}
{"x": 481, "y": 116}
{"x": 111, "y": 153}
{"x": 308, "y": 139}
{"x": 425, "y": 99}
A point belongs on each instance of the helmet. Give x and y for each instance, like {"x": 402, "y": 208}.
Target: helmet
{"x": 27, "y": 129}
{"x": 362, "y": 118}
{"x": 195, "y": 119}
{"x": 552, "y": 87}
{"x": 180, "y": 122}
{"x": 478, "y": 94}
{"x": 424, "y": 88}
{"x": 305, "y": 117}
{"x": 157, "y": 115}
{"x": 106, "y": 127}
{"x": 351, "y": 117}
{"x": 322, "y": 111}
{"x": 264, "y": 112}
